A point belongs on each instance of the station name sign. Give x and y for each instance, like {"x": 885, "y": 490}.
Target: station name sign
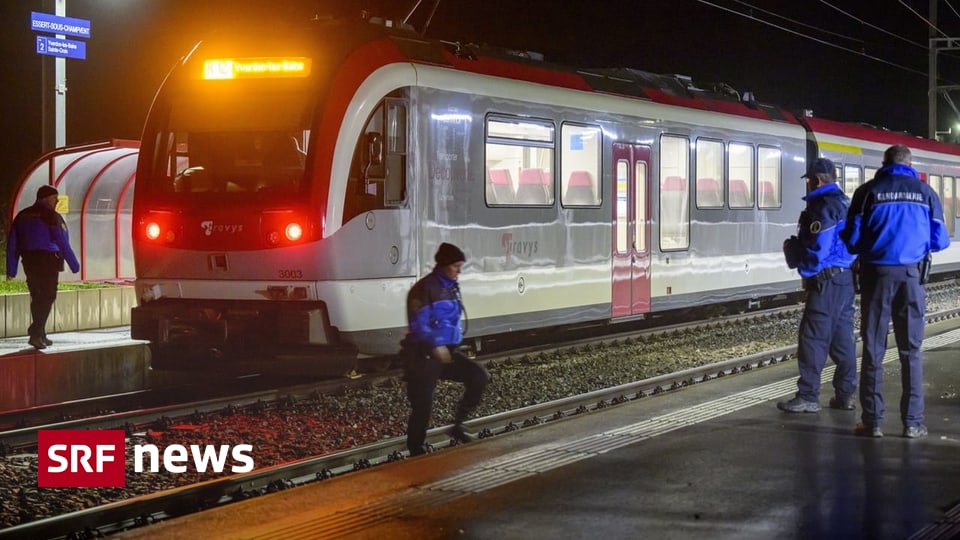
{"x": 61, "y": 26}
{"x": 52, "y": 24}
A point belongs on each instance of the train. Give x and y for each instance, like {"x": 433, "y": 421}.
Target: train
{"x": 292, "y": 185}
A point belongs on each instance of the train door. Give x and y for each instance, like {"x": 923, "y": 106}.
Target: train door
{"x": 631, "y": 230}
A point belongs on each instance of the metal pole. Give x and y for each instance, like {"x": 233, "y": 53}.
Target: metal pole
{"x": 60, "y": 88}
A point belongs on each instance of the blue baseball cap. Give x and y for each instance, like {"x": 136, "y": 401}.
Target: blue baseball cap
{"x": 821, "y": 165}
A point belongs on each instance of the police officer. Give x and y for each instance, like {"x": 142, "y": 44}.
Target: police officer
{"x": 39, "y": 237}
{"x": 896, "y": 221}
{"x": 433, "y": 314}
{"x": 822, "y": 260}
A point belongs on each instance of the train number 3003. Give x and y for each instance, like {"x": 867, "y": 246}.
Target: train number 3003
{"x": 291, "y": 274}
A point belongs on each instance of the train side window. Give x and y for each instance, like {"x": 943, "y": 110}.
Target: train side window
{"x": 580, "y": 165}
{"x": 640, "y": 207}
{"x": 950, "y": 203}
{"x": 851, "y": 179}
{"x": 768, "y": 169}
{"x": 623, "y": 214}
{"x": 525, "y": 147}
{"x": 674, "y": 195}
{"x": 869, "y": 173}
{"x": 378, "y": 172}
{"x": 709, "y": 167}
{"x": 395, "y": 133}
{"x": 740, "y": 173}
{"x": 934, "y": 181}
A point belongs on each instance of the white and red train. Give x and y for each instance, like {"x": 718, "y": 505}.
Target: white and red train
{"x": 291, "y": 188}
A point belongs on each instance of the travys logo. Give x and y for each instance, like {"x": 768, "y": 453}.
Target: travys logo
{"x": 209, "y": 227}
{"x": 97, "y": 458}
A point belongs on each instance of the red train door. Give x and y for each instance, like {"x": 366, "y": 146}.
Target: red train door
{"x": 631, "y": 230}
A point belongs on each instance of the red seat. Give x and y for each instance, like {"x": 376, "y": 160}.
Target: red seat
{"x": 674, "y": 183}
{"x": 708, "y": 193}
{"x": 768, "y": 197}
{"x": 739, "y": 195}
{"x": 501, "y": 187}
{"x": 533, "y": 187}
{"x": 580, "y": 190}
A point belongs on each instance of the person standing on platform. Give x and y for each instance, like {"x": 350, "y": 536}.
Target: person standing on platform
{"x": 896, "y": 221}
{"x": 434, "y": 311}
{"x": 39, "y": 236}
{"x": 822, "y": 259}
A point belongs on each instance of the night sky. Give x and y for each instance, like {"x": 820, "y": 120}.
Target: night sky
{"x": 134, "y": 43}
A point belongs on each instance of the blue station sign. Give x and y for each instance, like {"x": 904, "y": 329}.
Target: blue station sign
{"x": 53, "y": 24}
{"x": 67, "y": 48}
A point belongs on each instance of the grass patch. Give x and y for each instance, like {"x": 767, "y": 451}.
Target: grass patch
{"x": 20, "y": 286}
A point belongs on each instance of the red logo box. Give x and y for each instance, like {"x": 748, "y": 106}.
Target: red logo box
{"x": 79, "y": 458}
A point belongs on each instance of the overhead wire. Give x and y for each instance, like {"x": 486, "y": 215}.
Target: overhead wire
{"x": 875, "y": 27}
{"x": 798, "y": 23}
{"x": 811, "y": 38}
{"x": 947, "y": 2}
{"x": 922, "y": 18}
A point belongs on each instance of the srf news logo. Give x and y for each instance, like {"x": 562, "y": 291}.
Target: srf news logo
{"x": 78, "y": 458}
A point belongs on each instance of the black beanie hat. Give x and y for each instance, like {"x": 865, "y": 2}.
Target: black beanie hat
{"x": 46, "y": 191}
{"x": 448, "y": 254}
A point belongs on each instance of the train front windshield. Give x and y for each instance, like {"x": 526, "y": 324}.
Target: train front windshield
{"x": 236, "y": 138}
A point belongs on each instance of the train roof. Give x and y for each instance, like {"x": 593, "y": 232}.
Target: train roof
{"x": 878, "y": 135}
{"x": 675, "y": 90}
{"x": 678, "y": 90}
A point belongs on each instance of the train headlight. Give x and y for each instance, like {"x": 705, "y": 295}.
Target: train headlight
{"x": 293, "y": 232}
{"x": 152, "y": 230}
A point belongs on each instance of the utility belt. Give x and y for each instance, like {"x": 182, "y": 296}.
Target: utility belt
{"x": 44, "y": 256}
{"x": 815, "y": 283}
{"x": 923, "y": 267}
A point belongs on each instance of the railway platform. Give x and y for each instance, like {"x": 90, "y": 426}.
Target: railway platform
{"x": 714, "y": 460}
{"x": 79, "y": 365}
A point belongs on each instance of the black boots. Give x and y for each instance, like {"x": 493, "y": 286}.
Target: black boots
{"x": 460, "y": 434}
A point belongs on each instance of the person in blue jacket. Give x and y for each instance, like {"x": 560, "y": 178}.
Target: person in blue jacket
{"x": 895, "y": 222}
{"x": 822, "y": 259}
{"x": 434, "y": 311}
{"x": 39, "y": 236}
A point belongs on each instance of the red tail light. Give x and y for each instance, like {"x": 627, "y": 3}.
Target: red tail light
{"x": 283, "y": 227}
{"x": 158, "y": 226}
{"x": 294, "y": 232}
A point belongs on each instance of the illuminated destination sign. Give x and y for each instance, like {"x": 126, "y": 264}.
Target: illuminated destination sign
{"x": 52, "y": 24}
{"x": 66, "y": 48}
{"x": 256, "y": 68}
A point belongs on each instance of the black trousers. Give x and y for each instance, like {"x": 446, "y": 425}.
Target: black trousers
{"x": 42, "y": 269}
{"x": 422, "y": 373}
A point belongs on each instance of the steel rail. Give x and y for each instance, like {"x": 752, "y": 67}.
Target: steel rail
{"x": 146, "y": 509}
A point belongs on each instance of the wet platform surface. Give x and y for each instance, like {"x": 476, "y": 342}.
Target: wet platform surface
{"x": 78, "y": 365}
{"x": 714, "y": 460}
{"x": 68, "y": 341}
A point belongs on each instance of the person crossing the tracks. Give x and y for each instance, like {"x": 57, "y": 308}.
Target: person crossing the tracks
{"x": 39, "y": 236}
{"x": 824, "y": 264}
{"x": 434, "y": 310}
{"x": 895, "y": 222}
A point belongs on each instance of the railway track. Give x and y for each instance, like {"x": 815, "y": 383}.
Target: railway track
{"x": 154, "y": 507}
{"x": 138, "y": 409}
{"x": 18, "y": 429}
